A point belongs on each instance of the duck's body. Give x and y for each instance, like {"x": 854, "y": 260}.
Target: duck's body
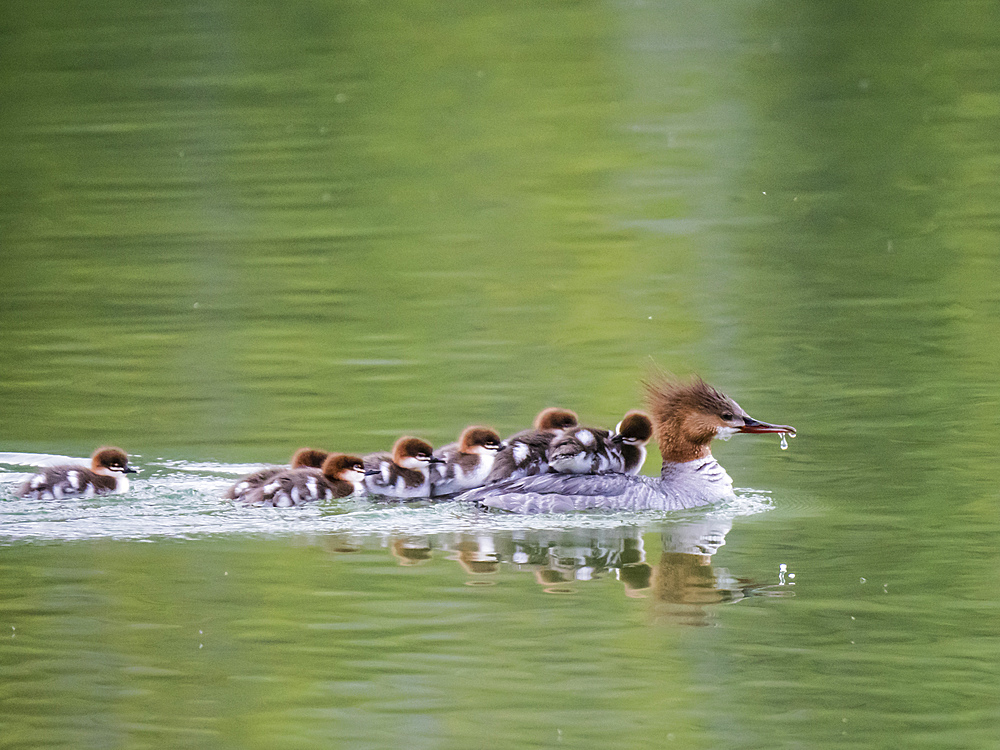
{"x": 340, "y": 476}
{"x": 303, "y": 458}
{"x": 687, "y": 417}
{"x": 524, "y": 453}
{"x": 680, "y": 486}
{"x": 465, "y": 464}
{"x": 404, "y": 473}
{"x": 106, "y": 475}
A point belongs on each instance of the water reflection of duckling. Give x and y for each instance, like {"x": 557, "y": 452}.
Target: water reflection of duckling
{"x": 340, "y": 476}
{"x": 635, "y": 577}
{"x": 562, "y": 558}
{"x": 687, "y": 417}
{"x": 465, "y": 464}
{"x": 524, "y": 452}
{"x": 477, "y": 555}
{"x": 411, "y": 551}
{"x": 106, "y": 475}
{"x": 302, "y": 459}
{"x": 404, "y": 473}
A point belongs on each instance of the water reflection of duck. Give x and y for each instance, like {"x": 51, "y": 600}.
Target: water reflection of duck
{"x": 560, "y": 558}
{"x": 106, "y": 475}
{"x": 684, "y": 583}
{"x": 412, "y": 550}
{"x": 687, "y": 417}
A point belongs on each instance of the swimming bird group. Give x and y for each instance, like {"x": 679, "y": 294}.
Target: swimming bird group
{"x": 555, "y": 466}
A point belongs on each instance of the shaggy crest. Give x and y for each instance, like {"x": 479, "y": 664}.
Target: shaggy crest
{"x": 690, "y": 410}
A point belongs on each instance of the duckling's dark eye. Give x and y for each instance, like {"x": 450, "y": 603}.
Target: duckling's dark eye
{"x": 728, "y": 416}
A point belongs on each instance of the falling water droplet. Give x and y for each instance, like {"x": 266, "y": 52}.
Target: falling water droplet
{"x": 784, "y": 443}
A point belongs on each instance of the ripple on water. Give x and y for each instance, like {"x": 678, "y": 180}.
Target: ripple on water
{"x": 183, "y": 500}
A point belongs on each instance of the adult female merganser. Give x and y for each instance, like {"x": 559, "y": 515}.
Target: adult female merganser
{"x": 341, "y": 475}
{"x": 108, "y": 467}
{"x": 404, "y": 473}
{"x": 303, "y": 458}
{"x": 687, "y": 416}
{"x": 467, "y": 463}
{"x": 524, "y": 452}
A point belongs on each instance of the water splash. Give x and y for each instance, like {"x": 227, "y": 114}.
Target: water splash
{"x": 784, "y": 443}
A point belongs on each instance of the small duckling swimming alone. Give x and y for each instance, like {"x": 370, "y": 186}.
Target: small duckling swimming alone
{"x": 523, "y": 454}
{"x": 303, "y": 458}
{"x": 340, "y": 476}
{"x": 404, "y": 473}
{"x": 687, "y": 417}
{"x": 467, "y": 463}
{"x": 106, "y": 475}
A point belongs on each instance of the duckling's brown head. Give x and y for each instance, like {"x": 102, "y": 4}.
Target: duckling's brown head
{"x": 555, "y": 418}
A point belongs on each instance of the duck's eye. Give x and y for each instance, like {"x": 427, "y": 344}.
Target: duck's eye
{"x": 728, "y": 416}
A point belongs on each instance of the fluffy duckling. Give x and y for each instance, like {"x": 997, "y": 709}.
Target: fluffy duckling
{"x": 467, "y": 463}
{"x": 106, "y": 475}
{"x": 629, "y": 442}
{"x": 302, "y": 458}
{"x": 404, "y": 473}
{"x": 341, "y": 475}
{"x": 523, "y": 454}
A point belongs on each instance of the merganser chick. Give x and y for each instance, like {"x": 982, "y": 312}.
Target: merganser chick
{"x": 106, "y": 475}
{"x": 301, "y": 459}
{"x": 467, "y": 463}
{"x": 629, "y": 441}
{"x": 404, "y": 473}
{"x": 582, "y": 450}
{"x": 341, "y": 475}
{"x": 523, "y": 454}
{"x": 687, "y": 417}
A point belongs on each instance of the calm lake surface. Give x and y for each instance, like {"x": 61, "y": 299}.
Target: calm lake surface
{"x": 231, "y": 229}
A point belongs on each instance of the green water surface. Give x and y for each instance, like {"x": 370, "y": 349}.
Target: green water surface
{"x": 229, "y": 229}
